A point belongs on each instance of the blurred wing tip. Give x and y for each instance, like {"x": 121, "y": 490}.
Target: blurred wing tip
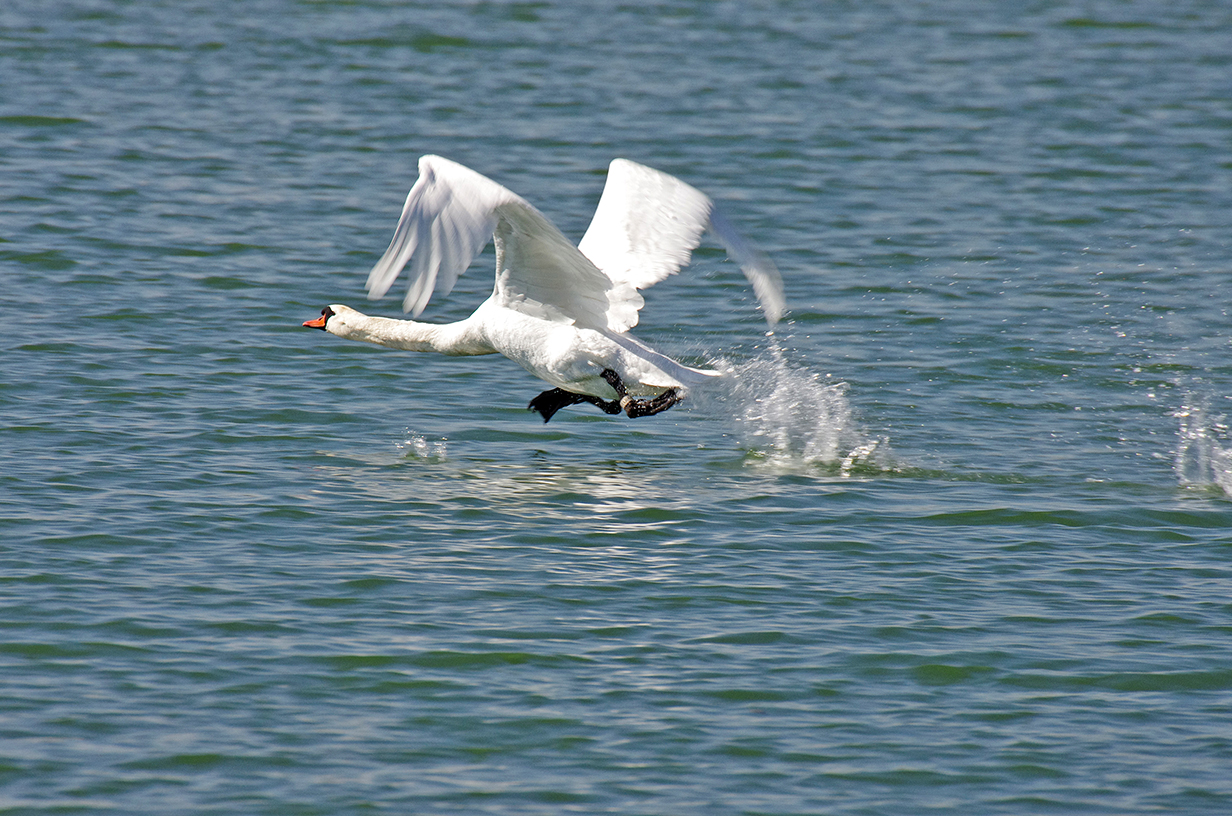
{"x": 379, "y": 281}
{"x": 768, "y": 286}
{"x": 756, "y": 265}
{"x": 414, "y": 303}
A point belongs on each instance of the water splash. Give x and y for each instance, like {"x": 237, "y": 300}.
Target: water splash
{"x": 1204, "y": 455}
{"x": 417, "y": 446}
{"x": 789, "y": 415}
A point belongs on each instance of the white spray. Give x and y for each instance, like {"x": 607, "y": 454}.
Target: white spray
{"x": 1204, "y": 455}
{"x": 789, "y": 415}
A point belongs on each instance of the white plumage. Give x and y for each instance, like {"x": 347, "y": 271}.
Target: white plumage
{"x": 561, "y": 311}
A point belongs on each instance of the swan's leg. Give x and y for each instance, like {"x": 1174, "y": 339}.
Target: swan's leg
{"x": 649, "y": 407}
{"x": 552, "y": 400}
{"x": 613, "y": 379}
{"x": 640, "y": 407}
{"x": 607, "y": 406}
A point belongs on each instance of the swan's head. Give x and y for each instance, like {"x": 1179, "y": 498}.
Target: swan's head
{"x": 335, "y": 319}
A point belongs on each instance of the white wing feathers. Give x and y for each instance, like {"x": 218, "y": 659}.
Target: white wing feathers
{"x": 451, "y": 213}
{"x": 644, "y": 229}
{"x": 448, "y": 218}
{"x": 541, "y": 273}
{"x": 646, "y": 226}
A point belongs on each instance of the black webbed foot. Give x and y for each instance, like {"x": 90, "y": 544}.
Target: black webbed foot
{"x": 551, "y": 401}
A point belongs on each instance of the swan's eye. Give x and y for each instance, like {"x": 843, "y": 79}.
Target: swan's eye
{"x": 327, "y": 312}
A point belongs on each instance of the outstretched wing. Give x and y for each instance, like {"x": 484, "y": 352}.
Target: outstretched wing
{"x": 646, "y": 227}
{"x": 540, "y": 272}
{"x": 448, "y": 218}
{"x": 450, "y": 214}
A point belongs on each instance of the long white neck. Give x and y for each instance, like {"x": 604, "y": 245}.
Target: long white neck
{"x": 462, "y": 338}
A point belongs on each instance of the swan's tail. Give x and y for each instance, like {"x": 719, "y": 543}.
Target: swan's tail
{"x": 694, "y": 376}
{"x": 686, "y": 375}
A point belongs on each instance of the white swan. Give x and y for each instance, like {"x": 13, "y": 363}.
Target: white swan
{"x": 561, "y": 312}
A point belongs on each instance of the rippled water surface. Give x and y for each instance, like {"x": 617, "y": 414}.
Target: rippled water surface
{"x": 955, "y": 538}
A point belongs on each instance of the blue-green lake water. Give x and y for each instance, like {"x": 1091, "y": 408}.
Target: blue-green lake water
{"x": 957, "y": 538}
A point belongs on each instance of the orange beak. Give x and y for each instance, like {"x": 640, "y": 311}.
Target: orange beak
{"x": 316, "y": 323}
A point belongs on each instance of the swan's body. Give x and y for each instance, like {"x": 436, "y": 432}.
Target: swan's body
{"x": 561, "y": 312}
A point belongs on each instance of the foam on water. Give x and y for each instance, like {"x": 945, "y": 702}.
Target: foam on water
{"x": 1204, "y": 452}
{"x": 788, "y": 415}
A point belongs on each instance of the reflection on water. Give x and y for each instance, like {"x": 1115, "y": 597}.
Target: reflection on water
{"x": 420, "y": 476}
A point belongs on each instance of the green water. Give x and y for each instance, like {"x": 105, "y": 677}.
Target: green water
{"x": 957, "y": 538}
